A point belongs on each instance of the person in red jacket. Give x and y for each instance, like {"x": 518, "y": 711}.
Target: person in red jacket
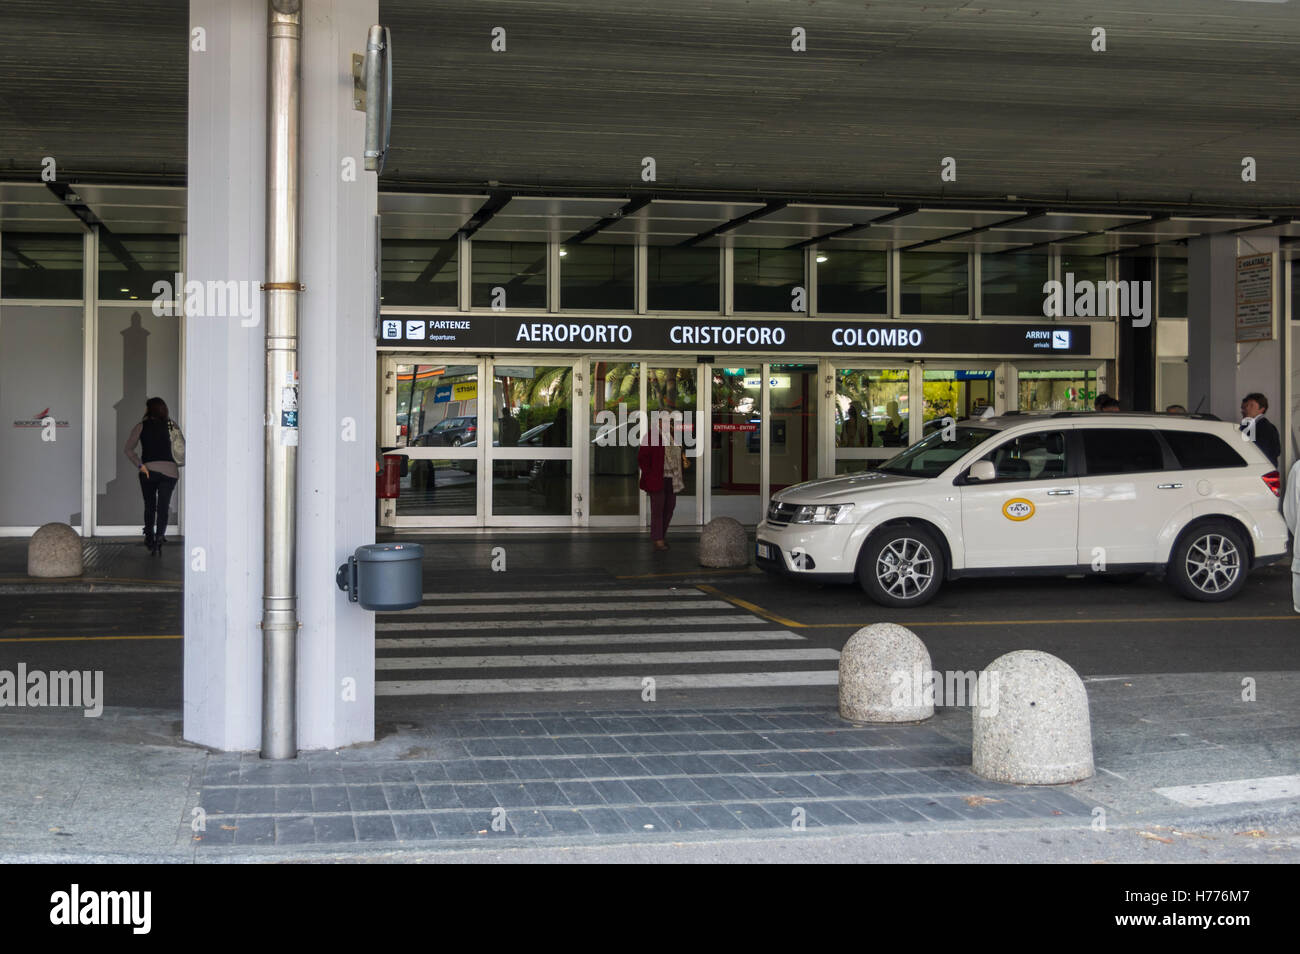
{"x": 661, "y": 461}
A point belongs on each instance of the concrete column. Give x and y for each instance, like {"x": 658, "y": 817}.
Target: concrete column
{"x": 1219, "y": 371}
{"x": 224, "y": 379}
{"x": 336, "y": 466}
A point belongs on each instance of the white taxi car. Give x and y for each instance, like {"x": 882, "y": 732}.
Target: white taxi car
{"x": 1112, "y": 494}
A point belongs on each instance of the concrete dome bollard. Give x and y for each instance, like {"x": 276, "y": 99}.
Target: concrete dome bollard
{"x": 1031, "y": 724}
{"x": 54, "y": 551}
{"x": 724, "y": 543}
{"x": 882, "y": 672}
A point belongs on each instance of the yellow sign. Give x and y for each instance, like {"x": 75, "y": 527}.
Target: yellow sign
{"x": 464, "y": 391}
{"x": 1018, "y": 508}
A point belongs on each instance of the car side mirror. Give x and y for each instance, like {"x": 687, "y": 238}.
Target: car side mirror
{"x": 982, "y": 470}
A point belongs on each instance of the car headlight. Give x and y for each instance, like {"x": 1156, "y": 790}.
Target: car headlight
{"x": 830, "y": 513}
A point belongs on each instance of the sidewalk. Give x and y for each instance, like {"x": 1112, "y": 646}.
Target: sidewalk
{"x": 125, "y": 787}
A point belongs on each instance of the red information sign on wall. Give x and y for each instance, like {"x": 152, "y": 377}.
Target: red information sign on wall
{"x": 727, "y": 428}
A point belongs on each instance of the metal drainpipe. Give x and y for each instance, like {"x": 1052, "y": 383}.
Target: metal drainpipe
{"x": 279, "y": 596}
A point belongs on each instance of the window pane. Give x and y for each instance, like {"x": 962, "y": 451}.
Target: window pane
{"x": 443, "y": 488}
{"x": 534, "y": 405}
{"x": 438, "y": 404}
{"x": 40, "y": 266}
{"x": 1171, "y": 273}
{"x": 419, "y": 272}
{"x": 933, "y": 283}
{"x": 517, "y": 268}
{"x": 597, "y": 277}
{"x": 129, "y": 265}
{"x": 1031, "y": 457}
{"x": 1012, "y": 284}
{"x": 851, "y": 281}
{"x": 1064, "y": 390}
{"x": 1196, "y": 450}
{"x": 1121, "y": 450}
{"x": 1084, "y": 268}
{"x": 765, "y": 278}
{"x": 545, "y": 488}
{"x": 683, "y": 279}
{"x": 871, "y": 408}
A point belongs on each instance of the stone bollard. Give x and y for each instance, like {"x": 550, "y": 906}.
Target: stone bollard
{"x": 1033, "y": 727}
{"x": 54, "y": 551}
{"x": 880, "y": 668}
{"x": 724, "y": 543}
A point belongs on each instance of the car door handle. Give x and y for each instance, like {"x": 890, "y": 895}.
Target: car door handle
{"x": 1168, "y": 486}
{"x": 1059, "y": 493}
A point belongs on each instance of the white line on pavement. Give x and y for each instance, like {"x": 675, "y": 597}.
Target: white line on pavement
{"x": 434, "y": 642}
{"x": 1235, "y": 791}
{"x": 671, "y": 606}
{"x": 601, "y": 659}
{"x": 560, "y": 594}
{"x": 734, "y": 619}
{"x": 720, "y": 680}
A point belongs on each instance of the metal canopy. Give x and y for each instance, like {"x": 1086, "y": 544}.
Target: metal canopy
{"x": 31, "y": 207}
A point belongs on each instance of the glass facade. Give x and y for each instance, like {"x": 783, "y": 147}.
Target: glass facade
{"x": 871, "y": 407}
{"x": 1057, "y": 390}
{"x": 420, "y": 272}
{"x": 766, "y": 279}
{"x": 130, "y": 265}
{"x": 1011, "y": 283}
{"x": 683, "y": 279}
{"x": 1171, "y": 279}
{"x": 47, "y": 266}
{"x": 852, "y": 282}
{"x": 508, "y": 275}
{"x": 934, "y": 283}
{"x": 598, "y": 277}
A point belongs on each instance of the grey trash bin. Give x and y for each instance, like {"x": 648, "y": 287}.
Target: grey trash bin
{"x": 384, "y": 576}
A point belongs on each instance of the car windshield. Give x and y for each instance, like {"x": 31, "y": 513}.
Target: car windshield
{"x": 932, "y": 456}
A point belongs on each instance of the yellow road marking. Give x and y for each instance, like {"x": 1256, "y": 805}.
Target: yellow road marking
{"x": 752, "y": 607}
{"x": 73, "y": 639}
{"x": 37, "y": 580}
{"x": 655, "y": 576}
{"x": 1052, "y": 622}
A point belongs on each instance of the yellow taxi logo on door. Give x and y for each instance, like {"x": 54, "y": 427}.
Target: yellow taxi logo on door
{"x": 1018, "y": 508}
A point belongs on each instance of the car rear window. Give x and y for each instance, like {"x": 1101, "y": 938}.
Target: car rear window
{"x": 1121, "y": 450}
{"x": 1196, "y": 450}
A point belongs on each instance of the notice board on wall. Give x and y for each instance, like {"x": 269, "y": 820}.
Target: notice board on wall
{"x": 1254, "y": 297}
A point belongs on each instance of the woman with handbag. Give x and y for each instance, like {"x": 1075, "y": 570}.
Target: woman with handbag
{"x": 162, "y": 452}
{"x": 661, "y": 461}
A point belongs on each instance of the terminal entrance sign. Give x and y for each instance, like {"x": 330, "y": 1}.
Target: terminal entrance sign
{"x": 756, "y": 336}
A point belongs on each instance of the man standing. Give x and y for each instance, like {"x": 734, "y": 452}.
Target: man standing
{"x": 1253, "y": 408}
{"x": 1291, "y": 511}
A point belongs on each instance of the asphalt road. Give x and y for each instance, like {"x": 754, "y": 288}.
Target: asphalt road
{"x": 1097, "y": 627}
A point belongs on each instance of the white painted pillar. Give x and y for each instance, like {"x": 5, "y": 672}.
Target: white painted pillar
{"x": 224, "y": 361}
{"x": 336, "y": 462}
{"x": 223, "y": 377}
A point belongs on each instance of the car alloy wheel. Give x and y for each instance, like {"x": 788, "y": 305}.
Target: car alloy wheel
{"x": 1213, "y": 563}
{"x": 905, "y": 568}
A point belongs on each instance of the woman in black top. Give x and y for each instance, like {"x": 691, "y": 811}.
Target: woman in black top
{"x": 158, "y": 471}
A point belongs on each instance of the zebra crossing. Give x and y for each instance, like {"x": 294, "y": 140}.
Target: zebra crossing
{"x": 594, "y": 639}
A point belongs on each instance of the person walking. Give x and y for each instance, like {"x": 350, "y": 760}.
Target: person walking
{"x": 662, "y": 463}
{"x": 159, "y": 471}
{"x": 856, "y": 432}
{"x": 1253, "y": 408}
{"x": 1291, "y": 512}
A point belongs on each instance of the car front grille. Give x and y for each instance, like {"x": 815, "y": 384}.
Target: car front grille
{"x": 780, "y": 514}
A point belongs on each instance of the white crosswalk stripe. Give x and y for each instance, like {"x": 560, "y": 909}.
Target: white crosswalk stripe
{"x": 681, "y": 637}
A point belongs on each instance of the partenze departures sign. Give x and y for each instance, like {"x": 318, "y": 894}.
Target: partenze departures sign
{"x": 807, "y": 336}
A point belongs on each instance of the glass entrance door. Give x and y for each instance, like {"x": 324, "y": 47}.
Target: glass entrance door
{"x": 431, "y": 417}
{"x": 530, "y": 457}
{"x": 792, "y": 438}
{"x": 959, "y": 393}
{"x": 614, "y": 405}
{"x": 872, "y": 411}
{"x": 735, "y": 445}
{"x": 673, "y": 393}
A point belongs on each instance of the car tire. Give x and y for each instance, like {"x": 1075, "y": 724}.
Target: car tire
{"x": 1209, "y": 562}
{"x": 455, "y": 442}
{"x": 912, "y": 548}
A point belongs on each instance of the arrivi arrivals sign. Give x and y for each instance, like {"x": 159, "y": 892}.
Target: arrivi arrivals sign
{"x": 496, "y": 334}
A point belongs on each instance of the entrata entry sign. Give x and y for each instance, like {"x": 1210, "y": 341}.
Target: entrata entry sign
{"x": 496, "y": 333}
